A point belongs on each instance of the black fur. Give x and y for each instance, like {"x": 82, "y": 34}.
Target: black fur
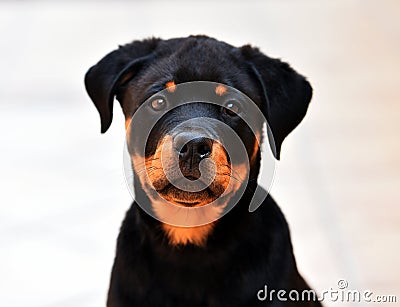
{"x": 246, "y": 250}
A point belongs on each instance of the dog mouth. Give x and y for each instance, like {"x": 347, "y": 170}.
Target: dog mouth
{"x": 188, "y": 170}
{"x": 186, "y": 198}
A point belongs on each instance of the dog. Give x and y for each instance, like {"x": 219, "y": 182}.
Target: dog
{"x": 232, "y": 258}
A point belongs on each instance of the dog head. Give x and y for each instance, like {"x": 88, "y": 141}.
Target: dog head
{"x": 185, "y": 143}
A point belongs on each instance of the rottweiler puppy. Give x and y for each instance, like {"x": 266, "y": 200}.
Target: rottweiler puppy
{"x": 241, "y": 258}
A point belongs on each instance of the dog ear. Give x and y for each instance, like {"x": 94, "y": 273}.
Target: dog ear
{"x": 103, "y": 79}
{"x": 286, "y": 94}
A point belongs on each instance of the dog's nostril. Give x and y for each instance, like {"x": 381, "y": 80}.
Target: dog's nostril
{"x": 200, "y": 147}
{"x": 203, "y": 150}
{"x": 184, "y": 151}
{"x": 188, "y": 147}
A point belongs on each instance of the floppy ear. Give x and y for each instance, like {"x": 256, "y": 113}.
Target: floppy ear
{"x": 103, "y": 79}
{"x": 286, "y": 94}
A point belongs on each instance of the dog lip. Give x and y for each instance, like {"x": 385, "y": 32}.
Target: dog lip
{"x": 187, "y": 204}
{"x": 171, "y": 186}
{"x": 195, "y": 201}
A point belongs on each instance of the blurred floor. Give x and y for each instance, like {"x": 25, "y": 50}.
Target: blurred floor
{"x": 63, "y": 191}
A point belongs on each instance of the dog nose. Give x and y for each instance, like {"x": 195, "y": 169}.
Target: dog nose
{"x": 190, "y": 145}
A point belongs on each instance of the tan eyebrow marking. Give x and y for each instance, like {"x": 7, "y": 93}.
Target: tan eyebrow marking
{"x": 220, "y": 90}
{"x": 170, "y": 86}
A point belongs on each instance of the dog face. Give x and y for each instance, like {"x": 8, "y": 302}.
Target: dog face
{"x": 191, "y": 60}
{"x": 185, "y": 143}
{"x": 189, "y": 144}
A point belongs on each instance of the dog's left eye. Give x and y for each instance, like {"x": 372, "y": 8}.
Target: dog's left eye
{"x": 231, "y": 108}
{"x": 158, "y": 104}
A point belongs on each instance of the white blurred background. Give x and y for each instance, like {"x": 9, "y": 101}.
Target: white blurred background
{"x": 63, "y": 194}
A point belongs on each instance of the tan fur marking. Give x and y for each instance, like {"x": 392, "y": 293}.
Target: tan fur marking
{"x": 184, "y": 235}
{"x": 255, "y": 148}
{"x": 127, "y": 122}
{"x": 220, "y": 90}
{"x": 223, "y": 169}
{"x": 170, "y": 86}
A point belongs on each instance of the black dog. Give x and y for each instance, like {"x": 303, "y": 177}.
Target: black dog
{"x": 230, "y": 260}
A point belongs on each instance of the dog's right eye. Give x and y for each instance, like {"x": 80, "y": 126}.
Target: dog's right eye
{"x": 158, "y": 104}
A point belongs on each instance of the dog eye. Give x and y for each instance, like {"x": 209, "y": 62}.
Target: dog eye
{"x": 158, "y": 104}
{"x": 231, "y": 108}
